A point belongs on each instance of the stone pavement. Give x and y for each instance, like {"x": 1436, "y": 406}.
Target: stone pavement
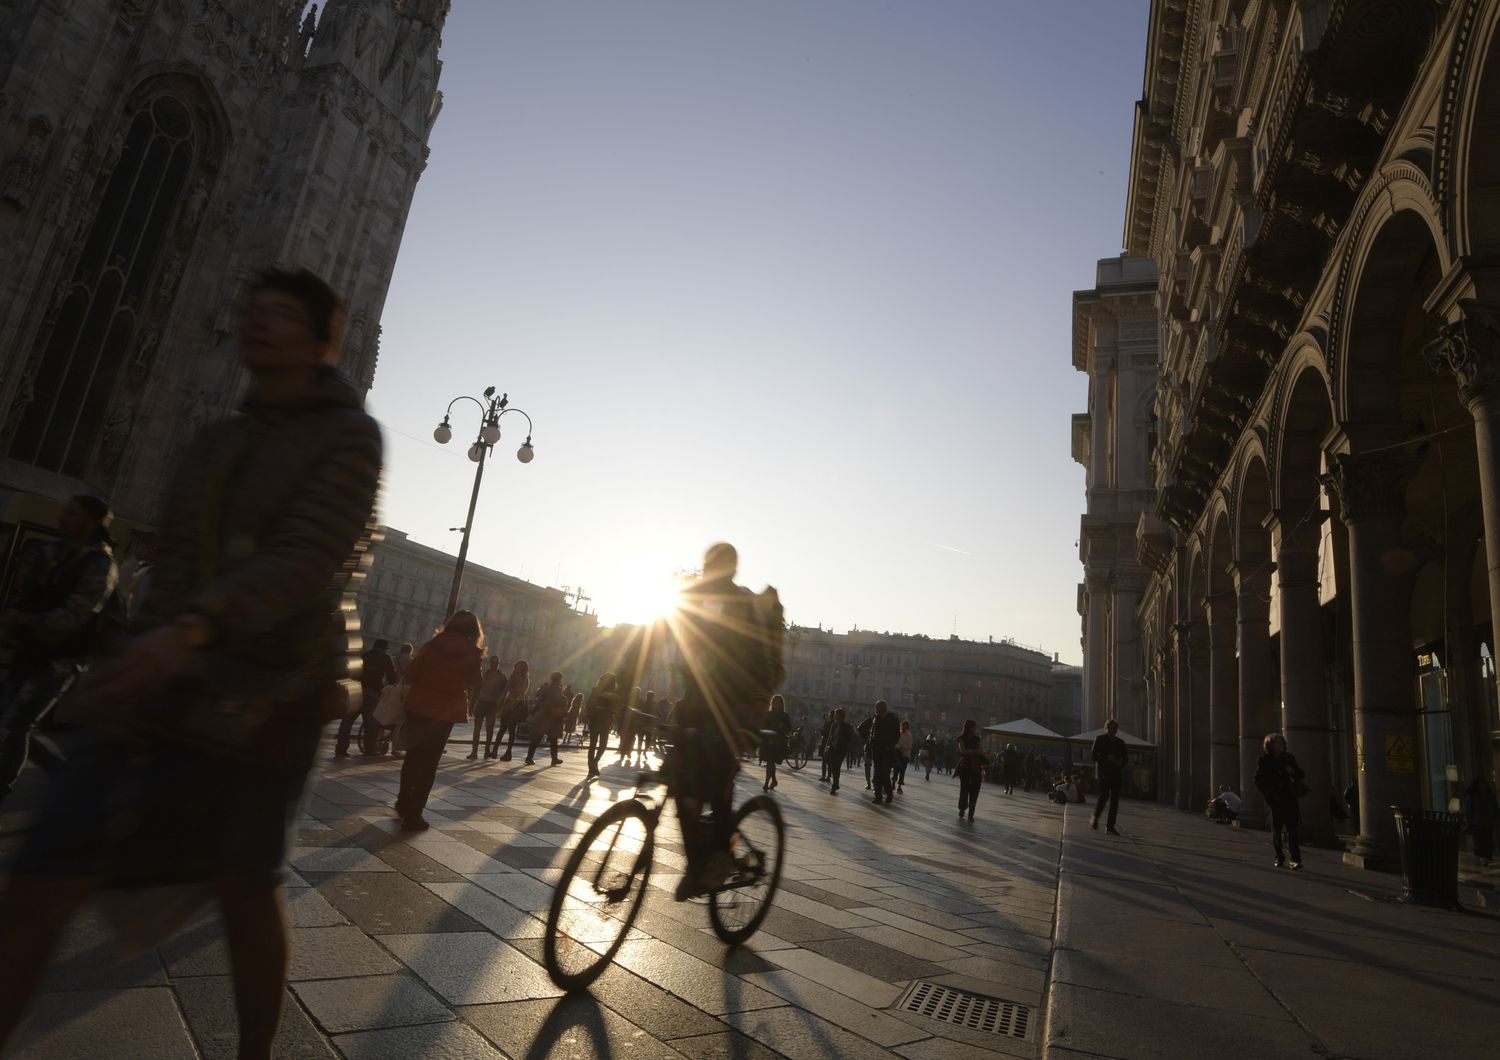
{"x": 1180, "y": 938}
{"x": 429, "y": 945}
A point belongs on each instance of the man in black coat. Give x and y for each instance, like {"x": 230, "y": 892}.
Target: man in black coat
{"x": 883, "y": 737}
{"x": 1109, "y": 756}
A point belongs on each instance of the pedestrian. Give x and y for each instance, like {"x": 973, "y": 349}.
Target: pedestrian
{"x": 1109, "y": 755}
{"x": 575, "y": 712}
{"x": 67, "y": 600}
{"x": 547, "y": 719}
{"x": 866, "y": 730}
{"x": 600, "y": 709}
{"x": 884, "y": 735}
{"x": 1279, "y": 778}
{"x": 1010, "y": 768}
{"x": 625, "y": 724}
{"x": 970, "y": 754}
{"x": 376, "y": 671}
{"x": 904, "y": 744}
{"x": 512, "y": 708}
{"x": 207, "y": 723}
{"x": 1480, "y": 812}
{"x": 646, "y": 724}
{"x": 487, "y": 706}
{"x": 823, "y": 747}
{"x": 777, "y": 726}
{"x": 929, "y": 753}
{"x": 1031, "y": 770}
{"x": 841, "y": 737}
{"x": 439, "y": 682}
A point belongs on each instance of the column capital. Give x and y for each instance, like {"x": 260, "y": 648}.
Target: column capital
{"x": 1469, "y": 349}
{"x": 1097, "y": 581}
{"x": 1370, "y": 484}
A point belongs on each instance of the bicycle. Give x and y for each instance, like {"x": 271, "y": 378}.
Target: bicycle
{"x": 372, "y": 738}
{"x": 796, "y": 751}
{"x": 592, "y": 910}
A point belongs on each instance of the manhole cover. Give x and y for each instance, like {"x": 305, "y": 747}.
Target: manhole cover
{"x": 963, "y": 1009}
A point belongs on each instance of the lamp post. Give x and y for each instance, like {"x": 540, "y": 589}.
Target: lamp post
{"x": 491, "y": 409}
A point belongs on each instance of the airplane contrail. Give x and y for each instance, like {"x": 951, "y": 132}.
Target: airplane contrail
{"x": 948, "y": 548}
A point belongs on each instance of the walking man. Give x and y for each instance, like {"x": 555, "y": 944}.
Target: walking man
{"x": 929, "y": 753}
{"x": 841, "y": 737}
{"x": 487, "y": 705}
{"x": 1109, "y": 756}
{"x": 884, "y": 735}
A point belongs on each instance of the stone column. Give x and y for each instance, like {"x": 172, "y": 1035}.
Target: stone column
{"x": 1370, "y": 490}
{"x": 1470, "y": 350}
{"x": 1200, "y": 747}
{"x": 1125, "y": 662}
{"x": 1097, "y": 651}
{"x": 1182, "y": 741}
{"x": 1223, "y": 693}
{"x": 1304, "y": 685}
{"x": 1166, "y": 724}
{"x": 1257, "y": 697}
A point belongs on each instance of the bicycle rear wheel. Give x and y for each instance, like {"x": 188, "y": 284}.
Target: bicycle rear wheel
{"x": 737, "y": 909}
{"x": 368, "y": 737}
{"x": 797, "y": 756}
{"x": 599, "y": 895}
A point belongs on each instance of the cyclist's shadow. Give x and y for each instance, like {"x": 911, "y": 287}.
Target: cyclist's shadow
{"x": 574, "y": 1013}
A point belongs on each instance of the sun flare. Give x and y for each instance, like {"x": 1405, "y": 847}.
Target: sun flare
{"x": 639, "y": 592}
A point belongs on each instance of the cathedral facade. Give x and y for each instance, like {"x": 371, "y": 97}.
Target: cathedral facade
{"x": 1318, "y": 183}
{"x": 154, "y": 154}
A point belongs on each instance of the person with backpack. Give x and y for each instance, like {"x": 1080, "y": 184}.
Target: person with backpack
{"x": 731, "y": 640}
{"x": 547, "y": 719}
{"x": 512, "y": 709}
{"x": 67, "y": 600}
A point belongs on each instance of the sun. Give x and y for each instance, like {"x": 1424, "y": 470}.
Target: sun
{"x": 639, "y": 592}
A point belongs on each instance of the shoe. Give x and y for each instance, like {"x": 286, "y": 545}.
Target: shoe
{"x": 901, "y": 788}
{"x": 1094, "y": 823}
{"x": 556, "y": 761}
{"x": 1281, "y": 863}
{"x": 869, "y": 787}
{"x": 1294, "y": 864}
{"x": 531, "y": 761}
{"x": 505, "y": 757}
{"x": 414, "y": 824}
{"x": 341, "y": 754}
{"x": 592, "y": 773}
{"x": 971, "y": 815}
{"x": 833, "y": 790}
{"x": 718, "y": 868}
{"x": 471, "y": 756}
{"x": 1111, "y": 831}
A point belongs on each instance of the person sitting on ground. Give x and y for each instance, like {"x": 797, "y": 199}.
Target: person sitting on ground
{"x": 1225, "y": 806}
{"x": 1068, "y": 789}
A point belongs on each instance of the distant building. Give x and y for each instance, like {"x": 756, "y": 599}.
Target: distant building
{"x": 935, "y": 683}
{"x": 1065, "y": 710}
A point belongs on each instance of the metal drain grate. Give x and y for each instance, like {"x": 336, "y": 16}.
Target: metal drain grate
{"x": 963, "y": 1009}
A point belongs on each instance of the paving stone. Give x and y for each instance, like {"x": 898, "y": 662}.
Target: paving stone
{"x": 132, "y": 1024}
{"x": 488, "y": 911}
{"x": 89, "y": 958}
{"x": 461, "y": 858}
{"x": 926, "y": 914}
{"x": 651, "y": 1008}
{"x": 370, "y": 1002}
{"x": 875, "y": 958}
{"x": 415, "y": 865}
{"x": 863, "y": 988}
{"x": 726, "y": 1045}
{"x": 390, "y": 904}
{"x": 208, "y": 1004}
{"x": 1009, "y": 981}
{"x": 472, "y": 968}
{"x": 336, "y": 859}
{"x": 430, "y": 1041}
{"x": 526, "y": 893}
{"x": 1232, "y": 989}
{"x": 575, "y": 1027}
{"x": 835, "y": 1007}
{"x": 948, "y": 1049}
{"x": 307, "y": 908}
{"x": 799, "y": 1035}
{"x": 810, "y": 890}
{"x": 695, "y": 981}
{"x": 905, "y": 942}
{"x": 334, "y": 953}
{"x": 799, "y": 929}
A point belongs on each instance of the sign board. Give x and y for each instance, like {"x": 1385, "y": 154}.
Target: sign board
{"x": 1399, "y": 755}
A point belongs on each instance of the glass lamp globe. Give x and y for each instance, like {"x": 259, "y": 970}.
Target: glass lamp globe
{"x": 491, "y": 433}
{"x": 525, "y": 453}
{"x": 476, "y": 452}
{"x": 443, "y": 434}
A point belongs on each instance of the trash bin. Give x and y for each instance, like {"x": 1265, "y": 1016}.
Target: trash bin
{"x": 1429, "y": 856}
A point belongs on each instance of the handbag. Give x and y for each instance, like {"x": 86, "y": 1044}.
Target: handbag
{"x": 390, "y": 708}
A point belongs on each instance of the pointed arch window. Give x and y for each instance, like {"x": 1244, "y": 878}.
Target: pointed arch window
{"x": 106, "y": 296}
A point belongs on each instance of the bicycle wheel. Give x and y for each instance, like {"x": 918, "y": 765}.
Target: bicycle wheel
{"x": 797, "y": 756}
{"x": 759, "y": 841}
{"x": 599, "y": 895}
{"x": 368, "y": 737}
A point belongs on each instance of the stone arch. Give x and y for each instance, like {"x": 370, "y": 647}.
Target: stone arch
{"x": 1302, "y": 420}
{"x": 1396, "y": 233}
{"x": 1466, "y": 166}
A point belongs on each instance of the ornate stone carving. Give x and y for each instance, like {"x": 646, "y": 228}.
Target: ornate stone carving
{"x": 22, "y": 171}
{"x": 1370, "y": 484}
{"x": 1470, "y": 349}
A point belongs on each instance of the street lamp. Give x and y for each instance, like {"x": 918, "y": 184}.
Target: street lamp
{"x": 491, "y": 409}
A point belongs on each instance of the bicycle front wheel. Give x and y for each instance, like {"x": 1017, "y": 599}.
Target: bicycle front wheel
{"x": 599, "y": 895}
{"x": 737, "y": 909}
{"x": 797, "y": 758}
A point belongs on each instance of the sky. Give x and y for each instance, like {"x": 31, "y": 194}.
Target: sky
{"x": 794, "y": 274}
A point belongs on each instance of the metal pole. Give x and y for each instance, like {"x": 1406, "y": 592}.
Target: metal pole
{"x": 463, "y": 548}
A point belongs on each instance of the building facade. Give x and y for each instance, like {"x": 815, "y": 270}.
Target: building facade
{"x": 934, "y": 683}
{"x": 1319, "y": 186}
{"x": 153, "y": 155}
{"x": 1115, "y": 345}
